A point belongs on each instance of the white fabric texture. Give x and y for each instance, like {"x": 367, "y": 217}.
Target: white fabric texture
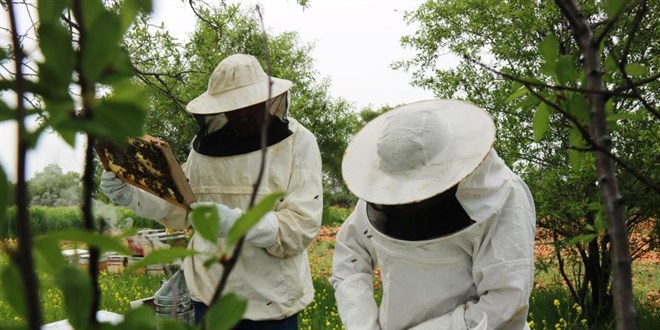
{"x": 416, "y": 151}
{"x": 119, "y": 192}
{"x": 276, "y": 280}
{"x": 478, "y": 278}
{"x": 237, "y": 81}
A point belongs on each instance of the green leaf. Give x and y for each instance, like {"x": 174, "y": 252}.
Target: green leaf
{"x": 225, "y": 313}
{"x": 119, "y": 116}
{"x": 575, "y": 137}
{"x": 578, "y": 106}
{"x": 58, "y": 65}
{"x": 610, "y": 64}
{"x": 103, "y": 37}
{"x": 549, "y": 70}
{"x": 142, "y": 317}
{"x": 577, "y": 159}
{"x": 206, "y": 220}
{"x": 76, "y": 287}
{"x": 49, "y": 250}
{"x": 118, "y": 70}
{"x": 251, "y": 217}
{"x": 520, "y": 92}
{"x": 586, "y": 238}
{"x": 549, "y": 50}
{"x": 635, "y": 69}
{"x": 50, "y": 11}
{"x": 92, "y": 10}
{"x": 6, "y": 85}
{"x": 33, "y": 137}
{"x": 115, "y": 118}
{"x": 6, "y": 113}
{"x": 600, "y": 222}
{"x": 541, "y": 121}
{"x": 60, "y": 117}
{"x": 566, "y": 71}
{"x": 624, "y": 116}
{"x": 131, "y": 9}
{"x": 161, "y": 256}
{"x": 612, "y": 7}
{"x": 210, "y": 261}
{"x": 529, "y": 101}
{"x": 13, "y": 289}
{"x": 104, "y": 243}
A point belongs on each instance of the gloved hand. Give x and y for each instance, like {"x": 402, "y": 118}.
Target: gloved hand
{"x": 262, "y": 234}
{"x": 117, "y": 191}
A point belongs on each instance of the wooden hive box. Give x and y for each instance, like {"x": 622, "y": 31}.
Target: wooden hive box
{"x": 149, "y": 164}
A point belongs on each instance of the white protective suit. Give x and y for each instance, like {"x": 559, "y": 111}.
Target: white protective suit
{"x": 276, "y": 280}
{"x": 480, "y": 277}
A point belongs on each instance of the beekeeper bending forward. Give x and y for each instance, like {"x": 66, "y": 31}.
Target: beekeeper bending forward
{"x": 273, "y": 271}
{"x": 448, "y": 223}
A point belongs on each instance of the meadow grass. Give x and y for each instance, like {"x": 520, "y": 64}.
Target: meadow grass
{"x": 551, "y": 306}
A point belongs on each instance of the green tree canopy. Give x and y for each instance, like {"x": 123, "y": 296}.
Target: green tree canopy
{"x": 52, "y": 187}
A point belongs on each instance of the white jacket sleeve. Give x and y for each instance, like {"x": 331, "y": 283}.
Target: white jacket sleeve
{"x": 503, "y": 268}
{"x": 300, "y": 211}
{"x": 353, "y": 266}
{"x": 153, "y": 207}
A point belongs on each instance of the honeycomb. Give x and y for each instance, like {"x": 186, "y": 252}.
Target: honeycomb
{"x": 149, "y": 164}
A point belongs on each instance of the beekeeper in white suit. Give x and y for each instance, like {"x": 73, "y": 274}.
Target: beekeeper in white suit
{"x": 273, "y": 271}
{"x": 448, "y": 223}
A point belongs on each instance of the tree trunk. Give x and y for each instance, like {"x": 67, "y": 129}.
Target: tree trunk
{"x": 611, "y": 198}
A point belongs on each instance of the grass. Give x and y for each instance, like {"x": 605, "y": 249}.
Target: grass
{"x": 550, "y": 305}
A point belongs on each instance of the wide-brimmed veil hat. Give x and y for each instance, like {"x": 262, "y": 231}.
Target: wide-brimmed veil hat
{"x": 416, "y": 151}
{"x": 237, "y": 82}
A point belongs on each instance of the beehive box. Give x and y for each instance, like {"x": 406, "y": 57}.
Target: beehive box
{"x": 149, "y": 164}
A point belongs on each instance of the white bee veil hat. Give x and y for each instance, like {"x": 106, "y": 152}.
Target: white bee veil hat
{"x": 237, "y": 82}
{"x": 416, "y": 151}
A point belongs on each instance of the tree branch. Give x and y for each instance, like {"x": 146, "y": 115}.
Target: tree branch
{"x": 583, "y": 130}
{"x": 23, "y": 257}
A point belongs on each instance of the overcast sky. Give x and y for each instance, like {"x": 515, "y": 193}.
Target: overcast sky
{"x": 355, "y": 43}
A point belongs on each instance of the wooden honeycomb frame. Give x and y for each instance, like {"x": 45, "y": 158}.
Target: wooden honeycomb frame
{"x": 149, "y": 164}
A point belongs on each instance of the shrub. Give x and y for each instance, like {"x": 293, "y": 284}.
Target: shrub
{"x": 45, "y": 219}
{"x": 335, "y": 215}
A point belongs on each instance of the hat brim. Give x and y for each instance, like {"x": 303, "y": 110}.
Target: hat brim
{"x": 473, "y": 135}
{"x": 237, "y": 98}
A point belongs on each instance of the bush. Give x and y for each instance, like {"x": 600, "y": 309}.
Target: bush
{"x": 45, "y": 219}
{"x": 334, "y": 216}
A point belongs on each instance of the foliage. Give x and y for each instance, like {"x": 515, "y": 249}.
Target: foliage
{"x": 51, "y": 187}
{"x": 82, "y": 83}
{"x": 46, "y": 219}
{"x": 550, "y": 303}
{"x": 534, "y": 86}
{"x": 335, "y": 215}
